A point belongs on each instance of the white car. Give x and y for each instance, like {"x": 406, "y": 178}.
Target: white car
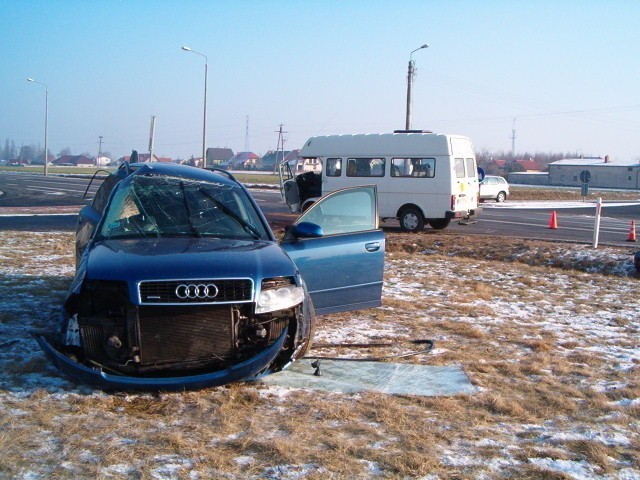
{"x": 493, "y": 187}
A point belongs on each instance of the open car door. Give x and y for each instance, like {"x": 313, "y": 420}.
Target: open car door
{"x": 339, "y": 249}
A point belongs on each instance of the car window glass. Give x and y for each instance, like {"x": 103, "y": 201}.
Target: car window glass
{"x": 413, "y": 167}
{"x": 471, "y": 168}
{"x": 459, "y": 167}
{"x": 346, "y": 211}
{"x": 334, "y": 167}
{"x": 365, "y": 167}
{"x": 158, "y": 206}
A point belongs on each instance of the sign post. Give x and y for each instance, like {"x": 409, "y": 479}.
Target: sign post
{"x": 596, "y": 226}
{"x": 585, "y": 178}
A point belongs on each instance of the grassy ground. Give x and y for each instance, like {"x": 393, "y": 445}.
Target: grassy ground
{"x": 521, "y": 192}
{"x": 546, "y": 332}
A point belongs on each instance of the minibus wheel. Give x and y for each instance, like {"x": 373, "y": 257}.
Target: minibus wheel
{"x": 439, "y": 223}
{"x": 411, "y": 220}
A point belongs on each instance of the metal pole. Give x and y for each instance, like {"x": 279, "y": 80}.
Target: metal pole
{"x": 46, "y": 129}
{"x": 99, "y": 150}
{"x": 204, "y": 122}
{"x": 409, "y": 82}
{"x": 410, "y": 75}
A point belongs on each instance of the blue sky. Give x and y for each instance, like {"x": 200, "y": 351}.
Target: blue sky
{"x": 567, "y": 71}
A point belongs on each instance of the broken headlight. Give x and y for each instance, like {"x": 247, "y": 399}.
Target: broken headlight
{"x": 278, "y": 294}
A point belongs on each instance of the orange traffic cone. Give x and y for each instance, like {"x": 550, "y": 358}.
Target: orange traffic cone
{"x": 553, "y": 221}
{"x": 632, "y": 232}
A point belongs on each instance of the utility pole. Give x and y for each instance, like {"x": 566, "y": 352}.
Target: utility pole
{"x": 99, "y": 150}
{"x": 279, "y": 146}
{"x": 246, "y": 135}
{"x": 410, "y": 75}
{"x": 152, "y": 134}
{"x": 513, "y": 140}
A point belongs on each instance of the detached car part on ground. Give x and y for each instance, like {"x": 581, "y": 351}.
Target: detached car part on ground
{"x": 181, "y": 284}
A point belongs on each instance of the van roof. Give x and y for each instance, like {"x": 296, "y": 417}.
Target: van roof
{"x": 384, "y": 144}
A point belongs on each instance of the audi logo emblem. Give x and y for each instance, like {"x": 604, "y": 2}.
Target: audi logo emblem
{"x": 196, "y": 291}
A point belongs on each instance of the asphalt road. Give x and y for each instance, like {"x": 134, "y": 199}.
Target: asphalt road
{"x": 53, "y": 194}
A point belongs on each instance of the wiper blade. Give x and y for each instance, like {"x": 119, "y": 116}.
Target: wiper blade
{"x": 250, "y": 229}
{"x": 193, "y": 228}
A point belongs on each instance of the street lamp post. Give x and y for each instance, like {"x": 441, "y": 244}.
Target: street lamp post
{"x": 46, "y": 120}
{"x": 204, "y": 121}
{"x": 410, "y": 75}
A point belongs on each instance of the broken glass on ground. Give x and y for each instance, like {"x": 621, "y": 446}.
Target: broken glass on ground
{"x": 348, "y": 376}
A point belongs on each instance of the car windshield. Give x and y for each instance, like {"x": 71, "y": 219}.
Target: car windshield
{"x": 161, "y": 206}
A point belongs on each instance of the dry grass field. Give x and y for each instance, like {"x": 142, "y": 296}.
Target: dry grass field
{"x": 548, "y": 334}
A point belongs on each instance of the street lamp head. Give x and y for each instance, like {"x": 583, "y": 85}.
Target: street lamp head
{"x": 426, "y": 45}
{"x": 186, "y": 49}
{"x": 30, "y": 80}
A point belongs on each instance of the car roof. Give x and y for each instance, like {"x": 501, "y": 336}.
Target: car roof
{"x": 182, "y": 171}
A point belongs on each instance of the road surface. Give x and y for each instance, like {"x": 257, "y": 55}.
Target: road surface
{"x": 60, "y": 198}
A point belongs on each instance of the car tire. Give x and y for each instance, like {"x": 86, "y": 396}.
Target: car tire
{"x": 411, "y": 220}
{"x": 439, "y": 223}
{"x": 501, "y": 197}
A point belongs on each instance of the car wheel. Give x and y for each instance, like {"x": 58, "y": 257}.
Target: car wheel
{"x": 411, "y": 220}
{"x": 501, "y": 197}
{"x": 439, "y": 223}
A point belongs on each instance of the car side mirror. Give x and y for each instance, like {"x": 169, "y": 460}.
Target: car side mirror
{"x": 306, "y": 230}
{"x": 90, "y": 215}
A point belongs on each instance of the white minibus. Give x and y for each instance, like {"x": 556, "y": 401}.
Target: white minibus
{"x": 422, "y": 178}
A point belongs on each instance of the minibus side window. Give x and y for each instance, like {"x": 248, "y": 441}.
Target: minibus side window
{"x": 413, "y": 167}
{"x": 472, "y": 172}
{"x": 365, "y": 167}
{"x": 334, "y": 167}
{"x": 459, "y": 166}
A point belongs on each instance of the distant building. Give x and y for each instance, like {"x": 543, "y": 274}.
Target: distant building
{"x": 300, "y": 165}
{"x": 144, "y": 158}
{"x": 503, "y": 167}
{"x": 244, "y": 161}
{"x": 193, "y": 162}
{"x": 603, "y": 173}
{"x": 217, "y": 156}
{"x": 75, "y": 161}
{"x": 528, "y": 165}
{"x": 271, "y": 159}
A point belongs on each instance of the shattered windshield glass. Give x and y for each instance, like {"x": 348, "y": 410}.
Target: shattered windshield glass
{"x": 160, "y": 206}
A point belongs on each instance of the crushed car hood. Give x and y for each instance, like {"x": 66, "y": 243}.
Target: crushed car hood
{"x": 176, "y": 258}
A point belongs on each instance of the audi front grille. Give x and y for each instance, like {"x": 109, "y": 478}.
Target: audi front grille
{"x": 207, "y": 291}
{"x": 179, "y": 334}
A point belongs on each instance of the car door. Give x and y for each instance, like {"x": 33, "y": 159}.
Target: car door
{"x": 339, "y": 249}
{"x": 90, "y": 215}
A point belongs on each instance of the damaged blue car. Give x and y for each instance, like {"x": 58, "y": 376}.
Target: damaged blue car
{"x": 181, "y": 284}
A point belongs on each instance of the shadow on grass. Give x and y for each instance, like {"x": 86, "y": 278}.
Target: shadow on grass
{"x": 30, "y": 303}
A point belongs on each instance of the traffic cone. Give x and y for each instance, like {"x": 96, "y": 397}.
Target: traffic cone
{"x": 553, "y": 221}
{"x": 632, "y": 232}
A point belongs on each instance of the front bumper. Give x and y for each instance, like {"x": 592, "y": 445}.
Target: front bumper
{"x": 245, "y": 370}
